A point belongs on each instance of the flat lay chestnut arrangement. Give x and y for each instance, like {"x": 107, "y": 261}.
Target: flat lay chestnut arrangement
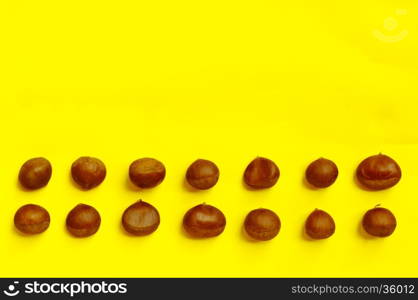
{"x": 376, "y": 172}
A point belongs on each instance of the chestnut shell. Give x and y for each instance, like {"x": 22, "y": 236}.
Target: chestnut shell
{"x": 262, "y": 224}
{"x": 88, "y": 172}
{"x": 204, "y": 221}
{"x": 319, "y": 225}
{"x": 35, "y": 173}
{"x": 322, "y": 173}
{"x": 379, "y": 172}
{"x": 379, "y": 222}
{"x": 147, "y": 172}
{"x": 32, "y": 219}
{"x": 83, "y": 221}
{"x": 141, "y": 218}
{"x": 261, "y": 173}
{"x": 202, "y": 174}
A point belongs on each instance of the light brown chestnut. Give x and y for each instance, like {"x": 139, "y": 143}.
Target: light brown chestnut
{"x": 147, "y": 172}
{"x": 202, "y": 174}
{"x": 261, "y": 173}
{"x": 32, "y": 219}
{"x": 141, "y": 218}
{"x": 262, "y": 224}
{"x": 35, "y": 173}
{"x": 204, "y": 221}
{"x": 88, "y": 172}
{"x": 319, "y": 225}
{"x": 379, "y": 222}
{"x": 83, "y": 221}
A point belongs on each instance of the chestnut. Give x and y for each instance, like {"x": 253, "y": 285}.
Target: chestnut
{"x": 141, "y": 218}
{"x": 319, "y": 225}
{"x": 35, "y": 173}
{"x": 83, "y": 221}
{"x": 88, "y": 172}
{"x": 146, "y": 172}
{"x": 322, "y": 173}
{"x": 202, "y": 174}
{"x": 204, "y": 221}
{"x": 379, "y": 172}
{"x": 261, "y": 173}
{"x": 379, "y": 222}
{"x": 32, "y": 219}
{"x": 262, "y": 224}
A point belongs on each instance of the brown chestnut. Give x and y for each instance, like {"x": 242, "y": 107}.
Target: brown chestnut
{"x": 322, "y": 173}
{"x": 202, "y": 174}
{"x": 35, "y": 173}
{"x": 379, "y": 172}
{"x": 88, "y": 172}
{"x": 319, "y": 225}
{"x": 141, "y": 218}
{"x": 262, "y": 224}
{"x": 146, "y": 172}
{"x": 204, "y": 221}
{"x": 83, "y": 221}
{"x": 32, "y": 219}
{"x": 261, "y": 173}
{"x": 379, "y": 222}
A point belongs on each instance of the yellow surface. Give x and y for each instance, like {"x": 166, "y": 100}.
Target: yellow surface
{"x": 222, "y": 80}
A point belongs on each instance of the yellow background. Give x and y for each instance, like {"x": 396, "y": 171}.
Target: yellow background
{"x": 222, "y": 80}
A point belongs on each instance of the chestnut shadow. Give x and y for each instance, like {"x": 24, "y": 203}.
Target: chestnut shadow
{"x": 309, "y": 186}
{"x": 363, "y": 232}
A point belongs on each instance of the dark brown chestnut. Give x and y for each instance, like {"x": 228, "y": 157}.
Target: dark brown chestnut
{"x": 32, "y": 219}
{"x": 319, "y": 225}
{"x": 88, "y": 172}
{"x": 204, "y": 221}
{"x": 83, "y": 221}
{"x": 146, "y": 172}
{"x": 379, "y": 222}
{"x": 202, "y": 174}
{"x": 141, "y": 218}
{"x": 379, "y": 172}
{"x": 35, "y": 173}
{"x": 262, "y": 224}
{"x": 261, "y": 173}
{"x": 322, "y": 173}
